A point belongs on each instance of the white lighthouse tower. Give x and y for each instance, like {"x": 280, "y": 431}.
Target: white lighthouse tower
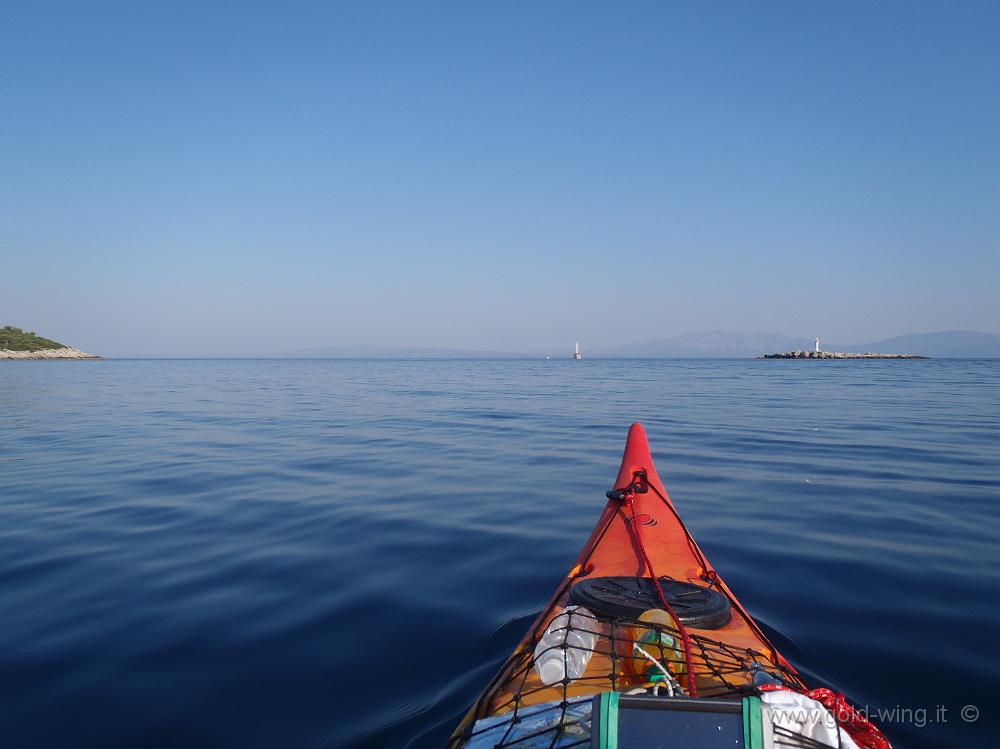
{"x": 576, "y": 353}
{"x": 817, "y": 345}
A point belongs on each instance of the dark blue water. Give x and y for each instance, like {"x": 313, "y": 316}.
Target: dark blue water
{"x": 340, "y": 553}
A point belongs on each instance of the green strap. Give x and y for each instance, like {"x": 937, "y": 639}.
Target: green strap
{"x": 753, "y": 728}
{"x": 609, "y": 720}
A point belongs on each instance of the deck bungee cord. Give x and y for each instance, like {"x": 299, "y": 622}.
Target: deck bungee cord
{"x": 637, "y": 486}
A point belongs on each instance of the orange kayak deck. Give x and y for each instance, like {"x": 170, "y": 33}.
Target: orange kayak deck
{"x": 720, "y": 658}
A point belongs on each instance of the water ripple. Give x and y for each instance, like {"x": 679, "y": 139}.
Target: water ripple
{"x": 340, "y": 553}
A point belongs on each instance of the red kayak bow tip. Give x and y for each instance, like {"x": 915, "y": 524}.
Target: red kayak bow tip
{"x": 637, "y": 458}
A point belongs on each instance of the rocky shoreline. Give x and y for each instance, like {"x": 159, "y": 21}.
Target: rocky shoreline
{"x": 48, "y": 353}
{"x": 837, "y": 355}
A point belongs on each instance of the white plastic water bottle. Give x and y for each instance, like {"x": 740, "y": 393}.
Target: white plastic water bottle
{"x": 576, "y": 629}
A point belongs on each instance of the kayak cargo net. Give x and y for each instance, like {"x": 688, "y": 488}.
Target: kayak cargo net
{"x": 743, "y": 694}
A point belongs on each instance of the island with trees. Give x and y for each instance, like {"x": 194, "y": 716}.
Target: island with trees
{"x": 19, "y": 344}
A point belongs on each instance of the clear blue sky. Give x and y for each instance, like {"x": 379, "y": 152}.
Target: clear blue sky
{"x": 215, "y": 177}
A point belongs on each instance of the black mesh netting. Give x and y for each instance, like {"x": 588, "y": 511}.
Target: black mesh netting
{"x": 519, "y": 710}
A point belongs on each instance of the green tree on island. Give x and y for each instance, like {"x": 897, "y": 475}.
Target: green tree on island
{"x": 15, "y": 339}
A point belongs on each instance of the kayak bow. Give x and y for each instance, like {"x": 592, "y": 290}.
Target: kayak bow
{"x": 647, "y": 611}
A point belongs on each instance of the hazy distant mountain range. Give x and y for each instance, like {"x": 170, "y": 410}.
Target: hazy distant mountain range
{"x": 721, "y": 343}
{"x": 395, "y": 352}
{"x": 715, "y": 343}
{"x": 712, "y": 344}
{"x": 953, "y": 343}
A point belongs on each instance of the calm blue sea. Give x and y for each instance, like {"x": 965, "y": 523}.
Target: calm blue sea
{"x": 323, "y": 553}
